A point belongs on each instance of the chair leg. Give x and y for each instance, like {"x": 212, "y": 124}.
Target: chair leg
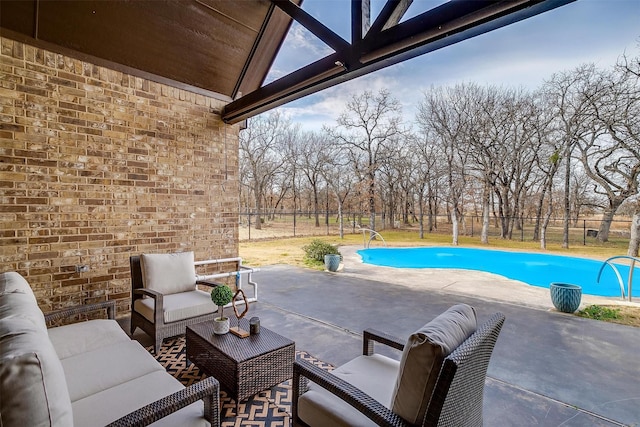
{"x": 157, "y": 345}
{"x": 297, "y": 390}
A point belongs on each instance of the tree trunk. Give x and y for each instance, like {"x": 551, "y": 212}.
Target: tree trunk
{"x": 258, "y": 195}
{"x": 421, "y": 215}
{"x": 340, "y": 217}
{"x": 372, "y": 201}
{"x": 454, "y": 226}
{"x": 316, "y": 205}
{"x": 634, "y": 242}
{"x": 536, "y": 227}
{"x": 567, "y": 200}
{"x": 484, "y": 234}
{"x": 605, "y": 224}
{"x": 547, "y": 217}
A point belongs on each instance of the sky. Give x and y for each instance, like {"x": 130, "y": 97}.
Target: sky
{"x": 522, "y": 54}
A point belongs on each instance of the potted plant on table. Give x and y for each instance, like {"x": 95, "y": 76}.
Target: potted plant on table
{"x": 221, "y": 295}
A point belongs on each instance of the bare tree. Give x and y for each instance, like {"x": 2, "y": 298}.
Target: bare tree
{"x": 261, "y": 148}
{"x": 505, "y": 145}
{"x": 631, "y": 68}
{"x": 425, "y": 176}
{"x": 444, "y": 112}
{"x": 311, "y": 156}
{"x": 391, "y": 171}
{"x": 548, "y": 162}
{"x": 366, "y": 128}
{"x": 338, "y": 174}
{"x": 568, "y": 107}
{"x": 609, "y": 146}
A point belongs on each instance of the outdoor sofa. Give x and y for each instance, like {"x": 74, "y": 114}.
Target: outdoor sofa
{"x": 86, "y": 374}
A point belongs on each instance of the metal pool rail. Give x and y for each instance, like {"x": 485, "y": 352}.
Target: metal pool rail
{"x": 372, "y": 235}
{"x": 617, "y": 273}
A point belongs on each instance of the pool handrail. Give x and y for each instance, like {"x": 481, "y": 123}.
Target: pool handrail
{"x": 617, "y": 273}
{"x": 373, "y": 234}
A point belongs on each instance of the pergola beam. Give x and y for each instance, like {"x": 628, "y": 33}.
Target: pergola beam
{"x": 442, "y": 26}
{"x": 390, "y": 15}
{"x": 320, "y": 30}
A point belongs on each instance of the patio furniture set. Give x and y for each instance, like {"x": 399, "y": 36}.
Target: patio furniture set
{"x": 92, "y": 373}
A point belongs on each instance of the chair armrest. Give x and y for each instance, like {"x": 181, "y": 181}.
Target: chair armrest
{"x": 147, "y": 292}
{"x": 355, "y": 397}
{"x": 207, "y": 283}
{"x": 370, "y": 336}
{"x": 158, "y": 305}
{"x": 207, "y": 389}
{"x": 110, "y": 306}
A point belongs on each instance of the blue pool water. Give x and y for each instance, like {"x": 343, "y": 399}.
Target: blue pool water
{"x": 533, "y": 268}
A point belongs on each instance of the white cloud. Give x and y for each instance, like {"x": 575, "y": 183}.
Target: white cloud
{"x": 522, "y": 54}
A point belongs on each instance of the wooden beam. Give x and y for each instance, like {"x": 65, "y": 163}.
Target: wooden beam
{"x": 390, "y": 15}
{"x": 360, "y": 19}
{"x": 321, "y": 31}
{"x": 442, "y": 26}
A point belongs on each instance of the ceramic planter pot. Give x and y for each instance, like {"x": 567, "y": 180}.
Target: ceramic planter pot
{"x": 220, "y": 325}
{"x": 565, "y": 296}
{"x": 332, "y": 262}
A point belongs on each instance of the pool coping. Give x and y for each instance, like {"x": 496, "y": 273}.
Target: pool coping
{"x": 475, "y": 283}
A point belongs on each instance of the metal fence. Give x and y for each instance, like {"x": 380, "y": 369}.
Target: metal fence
{"x": 289, "y": 224}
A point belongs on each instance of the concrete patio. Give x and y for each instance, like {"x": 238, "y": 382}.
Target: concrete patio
{"x": 548, "y": 368}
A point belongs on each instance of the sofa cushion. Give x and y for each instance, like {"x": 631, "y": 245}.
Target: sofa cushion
{"x": 423, "y": 356}
{"x": 32, "y": 382}
{"x": 94, "y": 371}
{"x": 76, "y": 338}
{"x": 375, "y": 375}
{"x": 12, "y": 281}
{"x": 108, "y": 405}
{"x": 178, "y": 306}
{"x": 168, "y": 273}
{"x": 18, "y": 301}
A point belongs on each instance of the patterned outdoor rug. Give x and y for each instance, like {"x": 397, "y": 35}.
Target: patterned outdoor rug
{"x": 268, "y": 408}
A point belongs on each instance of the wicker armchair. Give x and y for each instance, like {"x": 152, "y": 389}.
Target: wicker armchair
{"x": 162, "y": 318}
{"x": 456, "y": 399}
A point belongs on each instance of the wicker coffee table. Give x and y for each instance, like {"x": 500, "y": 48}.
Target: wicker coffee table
{"x": 243, "y": 366}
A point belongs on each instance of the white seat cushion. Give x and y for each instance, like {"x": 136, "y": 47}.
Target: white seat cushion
{"x": 168, "y": 273}
{"x": 375, "y": 375}
{"x": 70, "y": 340}
{"x": 178, "y": 306}
{"x": 94, "y": 371}
{"x": 108, "y": 405}
{"x": 423, "y": 356}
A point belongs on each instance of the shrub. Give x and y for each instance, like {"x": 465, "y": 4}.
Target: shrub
{"x": 599, "y": 313}
{"x": 317, "y": 249}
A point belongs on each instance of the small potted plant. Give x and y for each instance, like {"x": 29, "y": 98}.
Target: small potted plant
{"x": 221, "y": 295}
{"x": 318, "y": 251}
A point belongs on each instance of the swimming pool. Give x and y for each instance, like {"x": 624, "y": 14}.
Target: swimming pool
{"x": 533, "y": 268}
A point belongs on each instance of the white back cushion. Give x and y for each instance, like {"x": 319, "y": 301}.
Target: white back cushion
{"x": 423, "y": 356}
{"x": 33, "y": 388}
{"x": 168, "y": 273}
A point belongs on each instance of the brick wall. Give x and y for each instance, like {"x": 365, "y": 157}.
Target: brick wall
{"x": 96, "y": 165}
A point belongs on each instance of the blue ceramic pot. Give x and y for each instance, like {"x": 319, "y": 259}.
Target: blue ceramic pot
{"x": 565, "y": 296}
{"x": 332, "y": 262}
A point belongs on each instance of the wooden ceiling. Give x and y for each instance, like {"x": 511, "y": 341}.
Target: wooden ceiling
{"x": 225, "y": 48}
{"x": 221, "y": 46}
